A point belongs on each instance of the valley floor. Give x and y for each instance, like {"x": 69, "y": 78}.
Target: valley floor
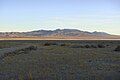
{"x": 59, "y": 60}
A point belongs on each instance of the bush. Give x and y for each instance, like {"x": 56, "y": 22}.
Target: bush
{"x": 32, "y": 48}
{"x": 117, "y": 48}
{"x": 47, "y": 44}
{"x": 93, "y": 46}
{"x": 76, "y": 46}
{"x": 53, "y": 43}
{"x": 63, "y": 44}
{"x": 107, "y": 45}
{"x": 101, "y": 46}
{"x": 87, "y": 46}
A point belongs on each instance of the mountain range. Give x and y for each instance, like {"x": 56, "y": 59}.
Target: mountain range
{"x": 60, "y": 33}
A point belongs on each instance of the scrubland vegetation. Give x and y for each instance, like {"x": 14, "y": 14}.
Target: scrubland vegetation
{"x": 60, "y": 60}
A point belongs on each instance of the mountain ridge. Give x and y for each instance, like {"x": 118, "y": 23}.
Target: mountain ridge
{"x": 59, "y": 34}
{"x": 64, "y": 32}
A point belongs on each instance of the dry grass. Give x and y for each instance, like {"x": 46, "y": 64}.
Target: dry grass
{"x": 67, "y": 62}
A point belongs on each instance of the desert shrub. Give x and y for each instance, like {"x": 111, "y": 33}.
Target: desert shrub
{"x": 53, "y": 43}
{"x": 101, "y": 46}
{"x": 117, "y": 48}
{"x": 47, "y": 44}
{"x": 32, "y": 48}
{"x": 63, "y": 44}
{"x": 89, "y": 60}
{"x": 76, "y": 46}
{"x": 83, "y": 46}
{"x": 93, "y": 46}
{"x": 87, "y": 46}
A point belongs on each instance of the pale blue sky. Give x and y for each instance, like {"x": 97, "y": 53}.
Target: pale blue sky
{"x": 89, "y": 15}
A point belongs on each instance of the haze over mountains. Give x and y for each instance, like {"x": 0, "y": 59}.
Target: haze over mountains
{"x": 61, "y": 33}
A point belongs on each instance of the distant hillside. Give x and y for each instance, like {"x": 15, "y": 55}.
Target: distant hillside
{"x": 64, "y": 33}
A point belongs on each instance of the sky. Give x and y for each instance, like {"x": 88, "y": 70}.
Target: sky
{"x": 87, "y": 15}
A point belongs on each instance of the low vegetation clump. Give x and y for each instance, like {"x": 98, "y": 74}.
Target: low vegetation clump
{"x": 117, "y": 48}
{"x": 101, "y": 46}
{"x": 31, "y": 48}
{"x": 87, "y": 46}
{"x": 63, "y": 44}
{"x": 76, "y": 46}
{"x": 93, "y": 46}
{"x": 49, "y": 44}
{"x": 17, "y": 52}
